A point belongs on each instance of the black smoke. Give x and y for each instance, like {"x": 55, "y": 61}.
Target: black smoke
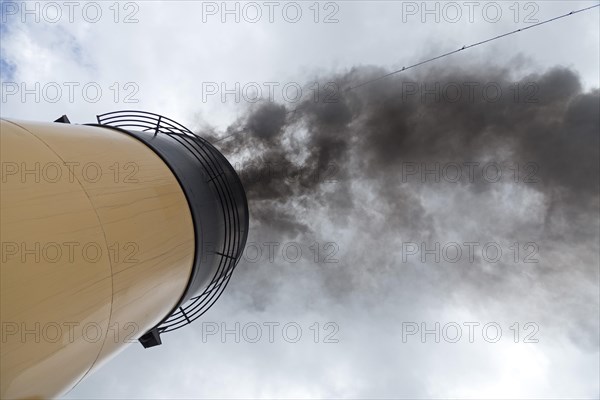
{"x": 543, "y": 123}
{"x": 341, "y": 167}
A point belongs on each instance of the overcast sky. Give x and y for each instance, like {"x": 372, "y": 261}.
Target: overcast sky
{"x": 372, "y": 213}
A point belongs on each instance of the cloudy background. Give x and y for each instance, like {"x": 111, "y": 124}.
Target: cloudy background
{"x": 343, "y": 173}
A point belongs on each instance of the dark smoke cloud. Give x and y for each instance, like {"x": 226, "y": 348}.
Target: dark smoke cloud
{"x": 372, "y": 131}
{"x": 318, "y": 167}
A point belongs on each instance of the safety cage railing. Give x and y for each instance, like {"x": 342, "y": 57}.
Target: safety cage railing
{"x": 235, "y": 232}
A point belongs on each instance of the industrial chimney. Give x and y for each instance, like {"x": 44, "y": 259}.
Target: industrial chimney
{"x": 111, "y": 232}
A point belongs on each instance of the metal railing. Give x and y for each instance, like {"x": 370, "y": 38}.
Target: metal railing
{"x": 212, "y": 161}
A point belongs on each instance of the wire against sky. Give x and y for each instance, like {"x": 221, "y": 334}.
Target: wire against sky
{"x": 444, "y": 55}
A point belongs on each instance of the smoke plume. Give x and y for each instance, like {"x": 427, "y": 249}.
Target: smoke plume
{"x": 445, "y": 155}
